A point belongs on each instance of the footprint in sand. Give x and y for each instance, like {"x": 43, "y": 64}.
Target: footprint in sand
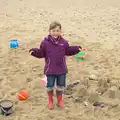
{"x": 28, "y": 80}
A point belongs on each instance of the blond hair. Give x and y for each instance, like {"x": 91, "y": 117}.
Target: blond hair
{"x": 55, "y": 24}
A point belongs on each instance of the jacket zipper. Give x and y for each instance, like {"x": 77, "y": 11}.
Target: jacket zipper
{"x": 64, "y": 63}
{"x": 48, "y": 65}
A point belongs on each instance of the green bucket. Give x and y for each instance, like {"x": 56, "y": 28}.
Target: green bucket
{"x": 80, "y": 54}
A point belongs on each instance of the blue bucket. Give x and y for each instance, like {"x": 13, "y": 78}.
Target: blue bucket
{"x": 13, "y": 43}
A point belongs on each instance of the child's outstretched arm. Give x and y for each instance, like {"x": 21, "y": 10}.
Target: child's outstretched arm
{"x": 72, "y": 50}
{"x": 38, "y": 52}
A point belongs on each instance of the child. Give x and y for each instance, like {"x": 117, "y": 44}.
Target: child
{"x": 54, "y": 48}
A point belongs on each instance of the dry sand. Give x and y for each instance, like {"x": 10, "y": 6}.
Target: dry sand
{"x": 94, "y": 24}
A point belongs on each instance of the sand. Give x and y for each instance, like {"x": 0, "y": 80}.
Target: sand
{"x": 93, "y": 24}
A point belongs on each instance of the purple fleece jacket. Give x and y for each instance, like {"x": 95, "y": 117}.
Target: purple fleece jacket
{"x": 54, "y": 52}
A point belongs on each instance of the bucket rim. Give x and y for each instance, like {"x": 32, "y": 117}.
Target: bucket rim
{"x": 6, "y": 101}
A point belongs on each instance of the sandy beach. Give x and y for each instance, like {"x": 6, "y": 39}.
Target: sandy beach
{"x": 93, "y": 24}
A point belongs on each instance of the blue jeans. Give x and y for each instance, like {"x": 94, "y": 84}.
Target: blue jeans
{"x": 59, "y": 79}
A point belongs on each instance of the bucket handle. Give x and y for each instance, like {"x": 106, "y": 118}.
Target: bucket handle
{"x": 4, "y": 110}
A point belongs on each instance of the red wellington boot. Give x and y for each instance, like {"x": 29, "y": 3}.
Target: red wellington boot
{"x": 60, "y": 101}
{"x": 50, "y": 99}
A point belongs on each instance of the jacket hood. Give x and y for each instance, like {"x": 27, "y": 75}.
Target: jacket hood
{"x": 53, "y": 40}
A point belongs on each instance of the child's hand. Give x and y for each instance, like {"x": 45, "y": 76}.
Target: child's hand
{"x": 80, "y": 49}
{"x": 85, "y": 52}
{"x": 83, "y": 49}
{"x": 82, "y": 57}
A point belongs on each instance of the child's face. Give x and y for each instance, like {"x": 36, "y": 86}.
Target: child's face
{"x": 55, "y": 32}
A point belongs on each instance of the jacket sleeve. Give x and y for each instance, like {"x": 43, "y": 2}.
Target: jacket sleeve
{"x": 72, "y": 50}
{"x": 39, "y": 52}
